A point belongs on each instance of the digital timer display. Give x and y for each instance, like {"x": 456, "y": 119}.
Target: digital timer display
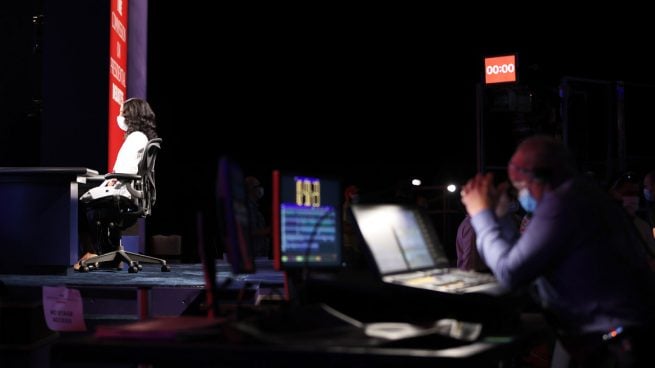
{"x": 308, "y": 192}
{"x": 500, "y": 69}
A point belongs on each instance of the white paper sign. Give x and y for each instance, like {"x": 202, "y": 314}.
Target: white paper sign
{"x": 62, "y": 308}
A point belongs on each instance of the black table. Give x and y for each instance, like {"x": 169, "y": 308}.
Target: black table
{"x": 232, "y": 350}
{"x": 38, "y": 218}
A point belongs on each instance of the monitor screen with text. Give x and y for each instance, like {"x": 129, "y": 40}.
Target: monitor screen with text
{"x": 306, "y": 221}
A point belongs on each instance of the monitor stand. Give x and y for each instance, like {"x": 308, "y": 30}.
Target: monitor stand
{"x": 209, "y": 270}
{"x": 297, "y": 283}
{"x": 294, "y": 286}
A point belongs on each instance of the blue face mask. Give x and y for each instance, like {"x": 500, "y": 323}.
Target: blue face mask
{"x": 648, "y": 195}
{"x": 527, "y": 201}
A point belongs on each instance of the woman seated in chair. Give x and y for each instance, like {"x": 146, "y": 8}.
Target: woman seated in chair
{"x": 138, "y": 121}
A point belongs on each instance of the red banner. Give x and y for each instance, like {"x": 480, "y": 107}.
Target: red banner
{"x": 117, "y": 75}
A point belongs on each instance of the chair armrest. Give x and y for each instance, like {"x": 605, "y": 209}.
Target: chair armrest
{"x": 122, "y": 176}
{"x": 126, "y": 179}
{"x": 98, "y": 178}
{"x": 91, "y": 179}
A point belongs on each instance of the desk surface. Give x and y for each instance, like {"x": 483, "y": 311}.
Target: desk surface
{"x": 213, "y": 353}
{"x": 44, "y": 170}
{"x": 229, "y": 347}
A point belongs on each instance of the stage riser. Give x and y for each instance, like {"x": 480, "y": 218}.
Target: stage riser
{"x": 123, "y": 303}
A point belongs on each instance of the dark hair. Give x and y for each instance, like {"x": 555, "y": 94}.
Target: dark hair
{"x": 549, "y": 159}
{"x": 139, "y": 117}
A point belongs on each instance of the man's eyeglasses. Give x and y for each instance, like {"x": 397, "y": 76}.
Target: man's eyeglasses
{"x": 521, "y": 169}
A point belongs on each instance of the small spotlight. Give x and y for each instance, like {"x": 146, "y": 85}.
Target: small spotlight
{"x": 451, "y": 188}
{"x": 416, "y": 182}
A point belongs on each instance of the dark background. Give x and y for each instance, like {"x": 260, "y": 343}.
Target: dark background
{"x": 372, "y": 95}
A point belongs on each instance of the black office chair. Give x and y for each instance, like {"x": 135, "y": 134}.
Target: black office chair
{"x": 114, "y": 213}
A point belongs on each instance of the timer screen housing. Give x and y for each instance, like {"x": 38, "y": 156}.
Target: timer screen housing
{"x": 500, "y": 69}
{"x": 306, "y": 221}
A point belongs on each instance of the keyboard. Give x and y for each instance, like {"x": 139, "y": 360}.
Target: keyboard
{"x": 446, "y": 280}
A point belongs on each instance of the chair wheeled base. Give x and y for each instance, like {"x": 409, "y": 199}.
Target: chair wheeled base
{"x": 115, "y": 258}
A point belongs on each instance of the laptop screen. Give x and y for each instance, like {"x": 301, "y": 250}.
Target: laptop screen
{"x": 400, "y": 238}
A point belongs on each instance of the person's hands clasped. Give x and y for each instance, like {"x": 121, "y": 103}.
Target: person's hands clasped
{"x": 502, "y": 199}
{"x": 477, "y": 193}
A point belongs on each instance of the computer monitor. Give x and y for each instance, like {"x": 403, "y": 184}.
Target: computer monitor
{"x": 233, "y": 216}
{"x": 306, "y": 221}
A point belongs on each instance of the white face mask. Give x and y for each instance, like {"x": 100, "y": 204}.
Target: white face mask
{"x": 120, "y": 119}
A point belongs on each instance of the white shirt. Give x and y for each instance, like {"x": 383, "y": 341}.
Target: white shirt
{"x": 127, "y": 162}
{"x": 130, "y": 154}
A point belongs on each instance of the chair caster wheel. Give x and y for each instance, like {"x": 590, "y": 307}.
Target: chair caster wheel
{"x": 133, "y": 269}
{"x": 165, "y": 268}
{"x": 140, "y": 266}
{"x": 84, "y": 269}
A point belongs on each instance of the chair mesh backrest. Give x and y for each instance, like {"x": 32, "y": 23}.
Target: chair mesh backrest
{"x": 147, "y": 173}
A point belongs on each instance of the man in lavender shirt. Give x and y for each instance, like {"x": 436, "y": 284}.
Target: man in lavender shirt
{"x": 579, "y": 250}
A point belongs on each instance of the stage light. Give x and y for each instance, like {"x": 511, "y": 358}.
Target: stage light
{"x": 451, "y": 188}
{"x": 416, "y": 182}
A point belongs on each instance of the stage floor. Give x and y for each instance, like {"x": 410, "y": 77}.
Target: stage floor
{"x": 112, "y": 294}
{"x": 181, "y": 275}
